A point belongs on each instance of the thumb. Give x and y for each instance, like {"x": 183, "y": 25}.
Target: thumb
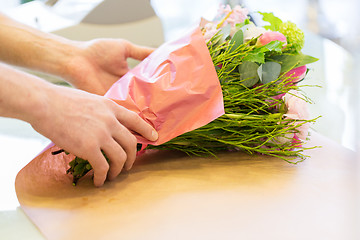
{"x": 139, "y": 52}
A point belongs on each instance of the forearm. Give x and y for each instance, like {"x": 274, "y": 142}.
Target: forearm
{"x": 22, "y": 96}
{"x": 27, "y": 47}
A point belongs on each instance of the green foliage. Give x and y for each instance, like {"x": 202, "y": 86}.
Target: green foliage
{"x": 79, "y": 167}
{"x": 241, "y": 25}
{"x": 257, "y": 54}
{"x": 275, "y": 22}
{"x": 295, "y": 37}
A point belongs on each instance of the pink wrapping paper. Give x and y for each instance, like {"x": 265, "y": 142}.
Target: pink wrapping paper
{"x": 175, "y": 89}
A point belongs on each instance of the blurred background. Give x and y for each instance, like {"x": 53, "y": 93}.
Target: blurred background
{"x": 332, "y": 34}
{"x": 331, "y": 28}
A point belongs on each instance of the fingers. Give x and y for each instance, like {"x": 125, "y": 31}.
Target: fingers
{"x": 117, "y": 158}
{"x": 112, "y": 135}
{"x": 128, "y": 143}
{"x": 138, "y": 52}
{"x": 121, "y": 152}
{"x": 101, "y": 168}
{"x": 134, "y": 122}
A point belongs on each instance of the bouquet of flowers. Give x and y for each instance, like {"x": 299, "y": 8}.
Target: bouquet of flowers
{"x": 259, "y": 69}
{"x": 256, "y": 107}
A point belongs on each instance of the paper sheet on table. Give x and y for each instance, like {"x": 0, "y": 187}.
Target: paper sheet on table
{"x": 172, "y": 196}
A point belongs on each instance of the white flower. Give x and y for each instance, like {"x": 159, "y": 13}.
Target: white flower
{"x": 251, "y": 31}
{"x": 296, "y": 105}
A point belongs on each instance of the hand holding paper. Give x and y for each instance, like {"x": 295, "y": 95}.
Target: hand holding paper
{"x": 175, "y": 90}
{"x": 99, "y": 63}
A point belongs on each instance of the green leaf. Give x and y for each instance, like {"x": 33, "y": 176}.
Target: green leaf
{"x": 275, "y": 22}
{"x": 289, "y": 61}
{"x": 258, "y": 54}
{"x": 240, "y": 25}
{"x": 237, "y": 40}
{"x": 248, "y": 73}
{"x": 273, "y": 46}
{"x": 269, "y": 72}
{"x": 258, "y": 57}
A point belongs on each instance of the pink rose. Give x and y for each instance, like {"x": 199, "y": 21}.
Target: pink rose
{"x": 270, "y": 36}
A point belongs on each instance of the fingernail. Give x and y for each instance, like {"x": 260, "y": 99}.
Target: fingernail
{"x": 154, "y": 135}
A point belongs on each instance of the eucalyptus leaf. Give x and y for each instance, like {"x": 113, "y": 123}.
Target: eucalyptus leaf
{"x": 237, "y": 40}
{"x": 248, "y": 73}
{"x": 269, "y": 72}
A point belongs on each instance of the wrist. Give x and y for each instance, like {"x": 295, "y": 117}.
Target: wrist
{"x": 36, "y": 108}
{"x": 22, "y": 96}
{"x": 60, "y": 61}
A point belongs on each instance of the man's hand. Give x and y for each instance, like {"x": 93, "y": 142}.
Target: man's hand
{"x": 100, "y": 63}
{"x": 81, "y": 123}
{"x": 92, "y": 66}
{"x": 85, "y": 124}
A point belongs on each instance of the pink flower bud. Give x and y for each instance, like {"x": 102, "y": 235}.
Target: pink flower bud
{"x": 296, "y": 74}
{"x": 292, "y": 76}
{"x": 270, "y": 36}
